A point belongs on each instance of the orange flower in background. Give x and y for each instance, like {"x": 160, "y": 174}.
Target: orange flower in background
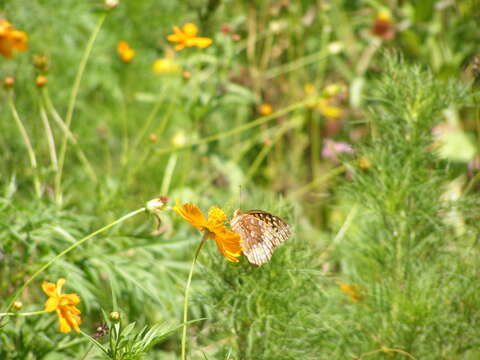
{"x": 63, "y": 304}
{"x": 352, "y": 290}
{"x": 125, "y": 52}
{"x": 11, "y": 39}
{"x": 187, "y": 37}
{"x": 227, "y": 241}
{"x": 265, "y": 109}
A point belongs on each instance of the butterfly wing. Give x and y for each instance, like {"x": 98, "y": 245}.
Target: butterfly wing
{"x": 260, "y": 233}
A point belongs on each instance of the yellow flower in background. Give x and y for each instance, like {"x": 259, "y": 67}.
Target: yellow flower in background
{"x": 265, "y": 109}
{"x": 165, "y": 66}
{"x": 309, "y": 88}
{"x": 227, "y": 241}
{"x": 125, "y": 52}
{"x": 11, "y": 39}
{"x": 352, "y": 290}
{"x": 63, "y": 304}
{"x": 328, "y": 110}
{"x": 187, "y": 37}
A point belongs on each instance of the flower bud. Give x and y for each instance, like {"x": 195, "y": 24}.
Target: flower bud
{"x": 115, "y": 316}
{"x": 8, "y": 82}
{"x": 17, "y": 305}
{"x": 111, "y": 4}
{"x": 157, "y": 205}
{"x": 153, "y": 138}
{"x": 41, "y": 81}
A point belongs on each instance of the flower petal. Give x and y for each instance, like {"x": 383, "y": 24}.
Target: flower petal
{"x": 200, "y": 42}
{"x": 175, "y": 37}
{"x": 190, "y": 30}
{"x": 192, "y": 214}
{"x": 64, "y": 326}
{"x": 72, "y": 299}
{"x": 60, "y": 284}
{"x": 49, "y": 288}
{"x": 51, "y": 304}
{"x": 180, "y": 46}
{"x": 19, "y": 40}
{"x": 229, "y": 245}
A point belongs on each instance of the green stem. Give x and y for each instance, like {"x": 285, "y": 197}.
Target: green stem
{"x": 53, "y": 112}
{"x": 23, "y": 314}
{"x": 28, "y": 144}
{"x": 185, "y": 300}
{"x": 71, "y": 105}
{"x": 67, "y": 250}
{"x": 49, "y": 135}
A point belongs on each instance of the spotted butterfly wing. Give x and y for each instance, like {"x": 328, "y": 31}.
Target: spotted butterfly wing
{"x": 260, "y": 233}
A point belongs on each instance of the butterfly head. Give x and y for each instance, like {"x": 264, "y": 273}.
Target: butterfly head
{"x": 237, "y": 212}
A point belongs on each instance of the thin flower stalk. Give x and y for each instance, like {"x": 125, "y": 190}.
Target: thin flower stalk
{"x": 31, "y": 313}
{"x": 59, "y": 121}
{"x": 67, "y": 250}
{"x": 187, "y": 292}
{"x": 71, "y": 105}
{"x": 28, "y": 144}
{"x": 50, "y": 138}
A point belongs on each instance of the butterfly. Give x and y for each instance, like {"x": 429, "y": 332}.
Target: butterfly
{"x": 260, "y": 233}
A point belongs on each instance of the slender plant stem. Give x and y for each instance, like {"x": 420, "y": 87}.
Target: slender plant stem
{"x": 71, "y": 105}
{"x": 49, "y": 135}
{"x": 23, "y": 314}
{"x": 185, "y": 300}
{"x": 67, "y": 250}
{"x": 81, "y": 155}
{"x": 28, "y": 144}
{"x": 151, "y": 116}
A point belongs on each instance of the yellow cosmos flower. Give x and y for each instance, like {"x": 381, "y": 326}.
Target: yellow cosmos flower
{"x": 165, "y": 66}
{"x": 328, "y": 110}
{"x": 187, "y": 37}
{"x": 265, "y": 109}
{"x": 11, "y": 39}
{"x": 63, "y": 304}
{"x": 227, "y": 241}
{"x": 125, "y": 52}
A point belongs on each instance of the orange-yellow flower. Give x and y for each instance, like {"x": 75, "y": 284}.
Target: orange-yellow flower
{"x": 187, "y": 37}
{"x": 165, "y": 66}
{"x": 125, "y": 52}
{"x": 265, "y": 109}
{"x": 11, "y": 39}
{"x": 352, "y": 290}
{"x": 63, "y": 304}
{"x": 227, "y": 241}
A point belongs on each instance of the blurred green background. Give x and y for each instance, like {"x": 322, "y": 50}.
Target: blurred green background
{"x": 370, "y": 152}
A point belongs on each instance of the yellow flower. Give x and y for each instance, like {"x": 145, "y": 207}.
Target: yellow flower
{"x": 227, "y": 241}
{"x": 329, "y": 111}
{"x": 11, "y": 39}
{"x": 309, "y": 88}
{"x": 63, "y": 304}
{"x": 187, "y": 37}
{"x": 265, "y": 109}
{"x": 352, "y": 290}
{"x": 125, "y": 52}
{"x": 165, "y": 66}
